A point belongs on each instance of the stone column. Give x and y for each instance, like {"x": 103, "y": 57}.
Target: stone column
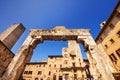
{"x": 106, "y": 57}
{"x": 93, "y": 69}
{"x": 57, "y": 77}
{"x": 98, "y": 61}
{"x": 23, "y": 55}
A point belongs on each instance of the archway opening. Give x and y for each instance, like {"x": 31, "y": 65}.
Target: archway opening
{"x": 46, "y": 48}
{"x": 83, "y": 51}
{"x": 42, "y": 50}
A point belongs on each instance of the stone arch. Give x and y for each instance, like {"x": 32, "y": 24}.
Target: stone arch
{"x": 98, "y": 66}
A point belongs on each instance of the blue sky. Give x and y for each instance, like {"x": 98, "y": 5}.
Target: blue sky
{"x": 46, "y": 14}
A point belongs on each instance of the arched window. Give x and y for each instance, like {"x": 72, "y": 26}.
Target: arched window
{"x": 55, "y": 65}
{"x": 36, "y": 78}
{"x": 50, "y": 65}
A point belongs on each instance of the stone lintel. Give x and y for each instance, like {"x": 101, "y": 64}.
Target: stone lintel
{"x": 56, "y": 34}
{"x": 70, "y": 32}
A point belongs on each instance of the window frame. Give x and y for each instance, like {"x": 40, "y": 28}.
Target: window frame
{"x": 113, "y": 57}
{"x": 112, "y": 40}
{"x": 111, "y": 26}
{"x": 39, "y": 73}
{"x": 106, "y": 46}
{"x": 118, "y": 33}
{"x": 118, "y": 15}
{"x": 118, "y": 52}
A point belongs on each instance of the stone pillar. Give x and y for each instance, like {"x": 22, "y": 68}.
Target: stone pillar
{"x": 93, "y": 69}
{"x": 106, "y": 57}
{"x": 63, "y": 77}
{"x": 57, "y": 77}
{"x": 98, "y": 61}
{"x": 23, "y": 55}
{"x": 12, "y": 34}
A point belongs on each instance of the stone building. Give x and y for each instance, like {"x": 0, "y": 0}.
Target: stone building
{"x": 10, "y": 36}
{"x": 109, "y": 38}
{"x": 5, "y": 57}
{"x": 68, "y": 66}
{"x": 7, "y": 40}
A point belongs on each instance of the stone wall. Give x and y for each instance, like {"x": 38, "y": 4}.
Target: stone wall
{"x": 5, "y": 58}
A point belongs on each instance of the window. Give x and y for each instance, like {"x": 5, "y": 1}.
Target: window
{"x": 118, "y": 15}
{"x": 50, "y": 65}
{"x": 27, "y": 72}
{"x": 30, "y": 72}
{"x": 106, "y": 32}
{"x": 118, "y": 52}
{"x": 60, "y": 65}
{"x": 43, "y": 65}
{"x": 55, "y": 65}
{"x": 112, "y": 41}
{"x": 40, "y": 65}
{"x": 51, "y": 57}
{"x": 65, "y": 62}
{"x": 112, "y": 26}
{"x": 24, "y": 72}
{"x": 72, "y": 58}
{"x": 49, "y": 73}
{"x": 80, "y": 63}
{"x": 118, "y": 33}
{"x": 112, "y": 57}
{"x": 73, "y": 64}
{"x": 39, "y": 72}
{"x": 106, "y": 46}
{"x": 36, "y": 78}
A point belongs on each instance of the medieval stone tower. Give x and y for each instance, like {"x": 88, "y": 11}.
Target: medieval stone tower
{"x": 12, "y": 34}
